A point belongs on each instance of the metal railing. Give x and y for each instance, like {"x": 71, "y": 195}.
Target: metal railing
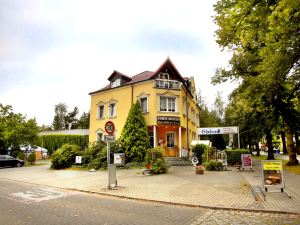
{"x": 169, "y": 84}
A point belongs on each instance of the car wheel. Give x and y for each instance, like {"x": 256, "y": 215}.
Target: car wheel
{"x": 19, "y": 164}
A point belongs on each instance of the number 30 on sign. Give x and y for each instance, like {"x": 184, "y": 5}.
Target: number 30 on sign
{"x": 109, "y": 127}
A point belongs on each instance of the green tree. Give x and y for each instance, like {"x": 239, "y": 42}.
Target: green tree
{"x": 15, "y": 129}
{"x": 59, "y": 118}
{"x": 84, "y": 121}
{"x": 71, "y": 121}
{"x": 264, "y": 38}
{"x": 134, "y": 137}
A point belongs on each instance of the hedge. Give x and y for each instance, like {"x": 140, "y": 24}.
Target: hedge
{"x": 234, "y": 156}
{"x": 55, "y": 141}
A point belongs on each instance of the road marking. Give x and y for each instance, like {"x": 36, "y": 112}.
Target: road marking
{"x": 38, "y": 195}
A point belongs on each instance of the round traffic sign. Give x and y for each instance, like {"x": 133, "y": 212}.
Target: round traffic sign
{"x": 109, "y": 127}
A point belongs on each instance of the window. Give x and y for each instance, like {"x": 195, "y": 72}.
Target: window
{"x": 144, "y": 104}
{"x": 100, "y": 111}
{"x": 99, "y": 137}
{"x": 170, "y": 140}
{"x": 112, "y": 110}
{"x": 168, "y": 104}
{"x": 116, "y": 83}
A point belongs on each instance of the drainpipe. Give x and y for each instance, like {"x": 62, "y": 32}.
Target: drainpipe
{"x": 187, "y": 124}
{"x": 132, "y": 94}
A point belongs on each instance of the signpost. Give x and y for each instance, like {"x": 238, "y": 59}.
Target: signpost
{"x": 272, "y": 174}
{"x": 110, "y": 129}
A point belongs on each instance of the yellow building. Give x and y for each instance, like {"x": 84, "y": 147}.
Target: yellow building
{"x": 168, "y": 102}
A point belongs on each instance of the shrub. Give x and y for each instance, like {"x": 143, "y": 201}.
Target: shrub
{"x": 213, "y": 165}
{"x": 198, "y": 150}
{"x": 21, "y": 155}
{"x": 31, "y": 158}
{"x": 95, "y": 157}
{"x": 64, "y": 157}
{"x": 15, "y": 154}
{"x": 234, "y": 156}
{"x": 155, "y": 157}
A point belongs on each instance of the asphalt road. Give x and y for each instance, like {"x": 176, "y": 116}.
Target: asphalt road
{"x": 34, "y": 204}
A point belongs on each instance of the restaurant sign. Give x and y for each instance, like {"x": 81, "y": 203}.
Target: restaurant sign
{"x": 168, "y": 120}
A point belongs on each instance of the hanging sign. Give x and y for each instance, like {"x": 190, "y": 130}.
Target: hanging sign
{"x": 217, "y": 130}
{"x": 168, "y": 120}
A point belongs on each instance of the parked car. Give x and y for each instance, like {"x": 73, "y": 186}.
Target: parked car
{"x": 6, "y": 160}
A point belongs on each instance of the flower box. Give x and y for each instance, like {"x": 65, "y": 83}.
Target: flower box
{"x": 199, "y": 169}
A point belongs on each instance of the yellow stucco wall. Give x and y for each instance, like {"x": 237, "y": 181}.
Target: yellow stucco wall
{"x": 124, "y": 96}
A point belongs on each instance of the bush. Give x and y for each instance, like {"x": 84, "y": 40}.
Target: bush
{"x": 15, "y": 154}
{"x": 64, "y": 157}
{"x": 234, "y": 156}
{"x": 198, "y": 150}
{"x": 31, "y": 158}
{"x": 21, "y": 155}
{"x": 155, "y": 157}
{"x": 213, "y": 165}
{"x": 95, "y": 157}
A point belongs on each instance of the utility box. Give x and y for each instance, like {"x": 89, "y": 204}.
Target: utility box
{"x": 119, "y": 159}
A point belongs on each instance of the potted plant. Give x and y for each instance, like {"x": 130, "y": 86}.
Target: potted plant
{"x": 199, "y": 169}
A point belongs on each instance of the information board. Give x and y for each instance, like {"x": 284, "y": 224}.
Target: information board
{"x": 272, "y": 173}
{"x": 246, "y": 161}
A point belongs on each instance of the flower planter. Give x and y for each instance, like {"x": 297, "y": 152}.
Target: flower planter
{"x": 199, "y": 170}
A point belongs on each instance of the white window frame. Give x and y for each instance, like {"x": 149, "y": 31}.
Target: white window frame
{"x": 116, "y": 83}
{"x": 147, "y": 107}
{"x": 103, "y": 113}
{"x": 171, "y": 132}
{"x": 115, "y": 109}
{"x": 167, "y": 104}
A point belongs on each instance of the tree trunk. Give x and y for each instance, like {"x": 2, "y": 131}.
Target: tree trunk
{"x": 257, "y": 149}
{"x": 284, "y": 149}
{"x": 270, "y": 145}
{"x": 290, "y": 147}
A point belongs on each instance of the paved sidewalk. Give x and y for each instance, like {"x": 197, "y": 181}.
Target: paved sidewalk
{"x": 215, "y": 189}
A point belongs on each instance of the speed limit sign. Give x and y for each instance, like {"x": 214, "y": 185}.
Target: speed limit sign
{"x": 109, "y": 127}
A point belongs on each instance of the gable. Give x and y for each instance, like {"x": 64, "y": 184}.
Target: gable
{"x": 167, "y": 71}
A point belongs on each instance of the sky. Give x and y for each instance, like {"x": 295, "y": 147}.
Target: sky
{"x": 61, "y": 50}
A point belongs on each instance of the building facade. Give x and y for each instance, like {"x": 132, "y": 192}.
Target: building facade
{"x": 168, "y": 101}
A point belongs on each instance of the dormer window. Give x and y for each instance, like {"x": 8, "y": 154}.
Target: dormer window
{"x": 116, "y": 83}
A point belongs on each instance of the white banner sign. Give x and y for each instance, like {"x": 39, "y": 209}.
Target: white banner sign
{"x": 217, "y": 130}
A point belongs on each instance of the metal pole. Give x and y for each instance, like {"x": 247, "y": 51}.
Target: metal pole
{"x": 239, "y": 143}
{"x": 108, "y": 162}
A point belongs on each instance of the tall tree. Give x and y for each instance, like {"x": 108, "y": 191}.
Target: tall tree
{"x": 264, "y": 38}
{"x": 84, "y": 121}
{"x": 134, "y": 137}
{"x": 59, "y": 118}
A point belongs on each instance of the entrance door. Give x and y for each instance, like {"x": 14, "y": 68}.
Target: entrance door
{"x": 170, "y": 139}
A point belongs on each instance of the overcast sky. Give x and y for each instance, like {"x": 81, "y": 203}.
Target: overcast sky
{"x": 55, "y": 51}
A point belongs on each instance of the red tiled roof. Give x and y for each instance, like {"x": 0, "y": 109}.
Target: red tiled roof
{"x": 146, "y": 75}
{"x": 134, "y": 79}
